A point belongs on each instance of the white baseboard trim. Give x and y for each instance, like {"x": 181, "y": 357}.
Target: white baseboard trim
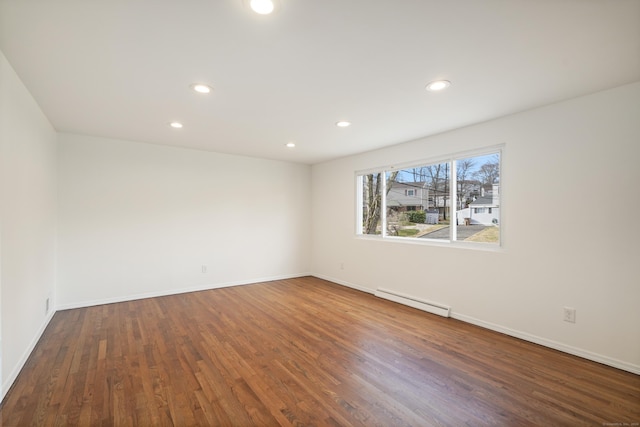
{"x": 420, "y": 304}
{"x": 595, "y": 357}
{"x": 83, "y": 304}
{"x": 343, "y": 283}
{"x": 8, "y": 382}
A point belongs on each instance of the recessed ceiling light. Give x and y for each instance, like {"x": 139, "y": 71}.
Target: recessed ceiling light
{"x": 343, "y": 124}
{"x": 176, "y": 125}
{"x": 438, "y": 85}
{"x": 290, "y": 144}
{"x": 263, "y": 7}
{"x": 201, "y": 88}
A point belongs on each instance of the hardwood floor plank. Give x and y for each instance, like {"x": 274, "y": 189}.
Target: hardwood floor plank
{"x": 301, "y": 352}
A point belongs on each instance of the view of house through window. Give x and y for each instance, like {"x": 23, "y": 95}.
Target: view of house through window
{"x": 453, "y": 200}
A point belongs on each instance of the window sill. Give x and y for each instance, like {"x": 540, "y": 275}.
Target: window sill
{"x": 487, "y": 247}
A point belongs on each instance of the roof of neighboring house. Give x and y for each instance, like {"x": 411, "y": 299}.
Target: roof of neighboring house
{"x": 483, "y": 201}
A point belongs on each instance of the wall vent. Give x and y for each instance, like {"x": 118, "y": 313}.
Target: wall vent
{"x": 428, "y": 306}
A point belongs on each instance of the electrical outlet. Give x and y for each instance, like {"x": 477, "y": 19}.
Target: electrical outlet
{"x": 570, "y": 315}
{"x": 46, "y": 306}
{"x": 342, "y": 266}
{"x": 204, "y": 268}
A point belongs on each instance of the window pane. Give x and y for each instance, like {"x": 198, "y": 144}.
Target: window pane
{"x": 478, "y": 199}
{"x": 418, "y": 202}
{"x": 371, "y": 203}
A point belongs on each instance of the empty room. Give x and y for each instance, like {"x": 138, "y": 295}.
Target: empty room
{"x": 319, "y": 213}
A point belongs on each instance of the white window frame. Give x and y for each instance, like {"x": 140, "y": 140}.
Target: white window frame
{"x": 451, "y": 159}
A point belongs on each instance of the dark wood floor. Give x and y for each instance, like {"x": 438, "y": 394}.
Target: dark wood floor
{"x": 301, "y": 352}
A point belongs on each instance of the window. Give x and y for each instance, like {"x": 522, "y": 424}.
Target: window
{"x": 456, "y": 199}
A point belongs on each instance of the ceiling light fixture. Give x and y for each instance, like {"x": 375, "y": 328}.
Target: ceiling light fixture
{"x": 201, "y": 88}
{"x": 176, "y": 125}
{"x": 290, "y": 144}
{"x": 438, "y": 85}
{"x": 262, "y": 7}
{"x": 343, "y": 124}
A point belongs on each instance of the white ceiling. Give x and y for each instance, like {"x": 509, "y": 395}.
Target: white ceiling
{"x": 122, "y": 68}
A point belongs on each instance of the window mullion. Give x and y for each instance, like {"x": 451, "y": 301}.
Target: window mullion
{"x": 359, "y": 203}
{"x": 383, "y": 208}
{"x": 453, "y": 210}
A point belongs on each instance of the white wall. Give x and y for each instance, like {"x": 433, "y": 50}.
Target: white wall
{"x": 138, "y": 220}
{"x": 577, "y": 159}
{"x": 27, "y": 222}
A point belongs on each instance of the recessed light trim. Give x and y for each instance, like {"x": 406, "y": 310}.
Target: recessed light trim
{"x": 343, "y": 124}
{"x": 176, "y": 125}
{"x": 438, "y": 85}
{"x": 262, "y": 7}
{"x": 201, "y": 88}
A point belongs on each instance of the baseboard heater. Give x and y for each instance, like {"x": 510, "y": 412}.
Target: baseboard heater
{"x": 430, "y": 307}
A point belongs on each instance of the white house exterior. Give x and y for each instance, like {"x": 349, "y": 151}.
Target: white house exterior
{"x": 484, "y": 210}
